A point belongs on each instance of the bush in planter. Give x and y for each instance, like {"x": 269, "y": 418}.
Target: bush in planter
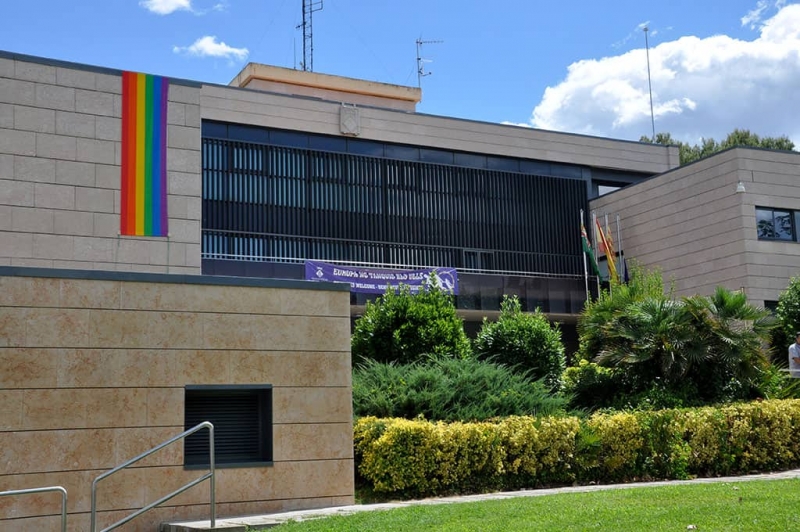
{"x": 403, "y": 327}
{"x": 524, "y": 341}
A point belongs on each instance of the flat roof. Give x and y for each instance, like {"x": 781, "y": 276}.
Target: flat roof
{"x": 315, "y": 80}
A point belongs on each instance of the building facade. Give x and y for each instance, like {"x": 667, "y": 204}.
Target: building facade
{"x": 279, "y": 168}
{"x": 728, "y": 220}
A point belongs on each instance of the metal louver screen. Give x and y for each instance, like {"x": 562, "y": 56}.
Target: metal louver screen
{"x": 242, "y": 425}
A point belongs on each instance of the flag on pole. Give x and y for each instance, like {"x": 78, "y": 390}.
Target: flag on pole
{"x": 605, "y": 246}
{"x": 587, "y": 248}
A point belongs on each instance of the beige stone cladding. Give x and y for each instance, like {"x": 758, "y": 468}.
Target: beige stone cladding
{"x": 694, "y": 225}
{"x": 230, "y": 104}
{"x": 60, "y": 151}
{"x": 771, "y": 180}
{"x": 93, "y": 367}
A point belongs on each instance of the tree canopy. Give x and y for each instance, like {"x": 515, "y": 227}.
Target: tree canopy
{"x": 708, "y": 146}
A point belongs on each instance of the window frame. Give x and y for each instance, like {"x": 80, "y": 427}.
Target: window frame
{"x": 793, "y": 229}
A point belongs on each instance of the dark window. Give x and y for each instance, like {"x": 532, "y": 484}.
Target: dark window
{"x": 325, "y": 143}
{"x": 248, "y": 133}
{"x": 534, "y": 167}
{"x": 436, "y": 156}
{"x": 242, "y": 419}
{"x": 214, "y": 130}
{"x": 403, "y": 153}
{"x": 470, "y": 160}
{"x": 288, "y": 138}
{"x": 775, "y": 224}
{"x": 505, "y": 164}
{"x": 365, "y": 147}
{"x": 565, "y": 170}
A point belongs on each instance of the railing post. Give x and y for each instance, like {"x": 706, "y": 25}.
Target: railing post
{"x": 208, "y": 476}
{"x": 45, "y": 490}
{"x": 213, "y": 478}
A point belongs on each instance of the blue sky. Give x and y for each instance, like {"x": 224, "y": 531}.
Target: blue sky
{"x": 573, "y": 66}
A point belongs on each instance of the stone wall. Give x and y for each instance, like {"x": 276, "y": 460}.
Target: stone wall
{"x": 60, "y": 151}
{"x": 93, "y": 367}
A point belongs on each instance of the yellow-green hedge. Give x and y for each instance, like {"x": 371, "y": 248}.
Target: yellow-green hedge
{"x": 422, "y": 458}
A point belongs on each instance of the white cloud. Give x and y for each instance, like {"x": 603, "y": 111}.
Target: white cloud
{"x": 165, "y": 7}
{"x": 208, "y": 46}
{"x": 637, "y": 31}
{"x": 753, "y": 17}
{"x": 701, "y": 87}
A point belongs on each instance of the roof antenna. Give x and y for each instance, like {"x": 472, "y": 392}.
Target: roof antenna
{"x": 421, "y": 62}
{"x": 309, "y": 7}
{"x": 649, "y": 84}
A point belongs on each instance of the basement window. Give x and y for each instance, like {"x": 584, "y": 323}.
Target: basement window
{"x": 242, "y": 419}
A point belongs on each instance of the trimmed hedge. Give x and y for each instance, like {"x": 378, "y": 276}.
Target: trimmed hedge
{"x": 421, "y": 458}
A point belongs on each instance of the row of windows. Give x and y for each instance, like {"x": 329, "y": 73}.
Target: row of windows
{"x": 285, "y": 248}
{"x": 311, "y": 141}
{"x": 255, "y": 189}
{"x": 777, "y": 224}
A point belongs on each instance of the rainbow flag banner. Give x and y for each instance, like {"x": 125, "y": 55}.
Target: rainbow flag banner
{"x": 144, "y": 155}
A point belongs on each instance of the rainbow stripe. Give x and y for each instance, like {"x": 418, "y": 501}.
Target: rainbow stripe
{"x": 144, "y": 155}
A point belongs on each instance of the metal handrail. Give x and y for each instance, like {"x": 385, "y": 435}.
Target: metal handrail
{"x": 209, "y": 475}
{"x": 45, "y": 490}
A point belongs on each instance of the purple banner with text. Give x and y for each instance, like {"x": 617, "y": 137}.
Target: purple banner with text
{"x": 376, "y": 281}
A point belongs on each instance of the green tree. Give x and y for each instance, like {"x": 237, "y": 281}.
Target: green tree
{"x": 404, "y": 327}
{"x": 708, "y": 146}
{"x": 788, "y": 316}
{"x": 524, "y": 341}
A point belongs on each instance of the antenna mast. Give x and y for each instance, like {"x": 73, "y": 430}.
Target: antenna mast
{"x": 649, "y": 84}
{"x": 309, "y": 7}
{"x": 421, "y": 62}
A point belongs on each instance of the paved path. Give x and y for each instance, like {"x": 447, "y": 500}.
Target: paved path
{"x": 264, "y": 521}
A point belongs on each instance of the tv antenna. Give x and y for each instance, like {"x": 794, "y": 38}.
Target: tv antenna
{"x": 421, "y": 62}
{"x": 309, "y": 8}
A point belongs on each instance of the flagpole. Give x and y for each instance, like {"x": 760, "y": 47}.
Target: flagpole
{"x": 622, "y": 264}
{"x": 585, "y": 266}
{"x": 594, "y": 245}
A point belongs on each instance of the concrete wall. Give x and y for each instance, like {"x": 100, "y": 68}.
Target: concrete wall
{"x": 692, "y": 223}
{"x": 60, "y": 132}
{"x": 92, "y": 372}
{"x": 318, "y": 116}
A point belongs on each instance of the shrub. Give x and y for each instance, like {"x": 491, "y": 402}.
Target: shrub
{"x": 422, "y": 458}
{"x": 591, "y": 386}
{"x": 788, "y": 316}
{"x": 524, "y": 341}
{"x": 448, "y": 389}
{"x": 404, "y": 327}
{"x": 677, "y": 352}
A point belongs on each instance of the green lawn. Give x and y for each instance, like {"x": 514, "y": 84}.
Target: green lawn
{"x": 753, "y": 505}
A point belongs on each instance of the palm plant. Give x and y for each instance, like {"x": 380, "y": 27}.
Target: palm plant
{"x": 655, "y": 334}
{"x": 734, "y": 334}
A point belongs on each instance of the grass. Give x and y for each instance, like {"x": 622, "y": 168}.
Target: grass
{"x": 763, "y": 505}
